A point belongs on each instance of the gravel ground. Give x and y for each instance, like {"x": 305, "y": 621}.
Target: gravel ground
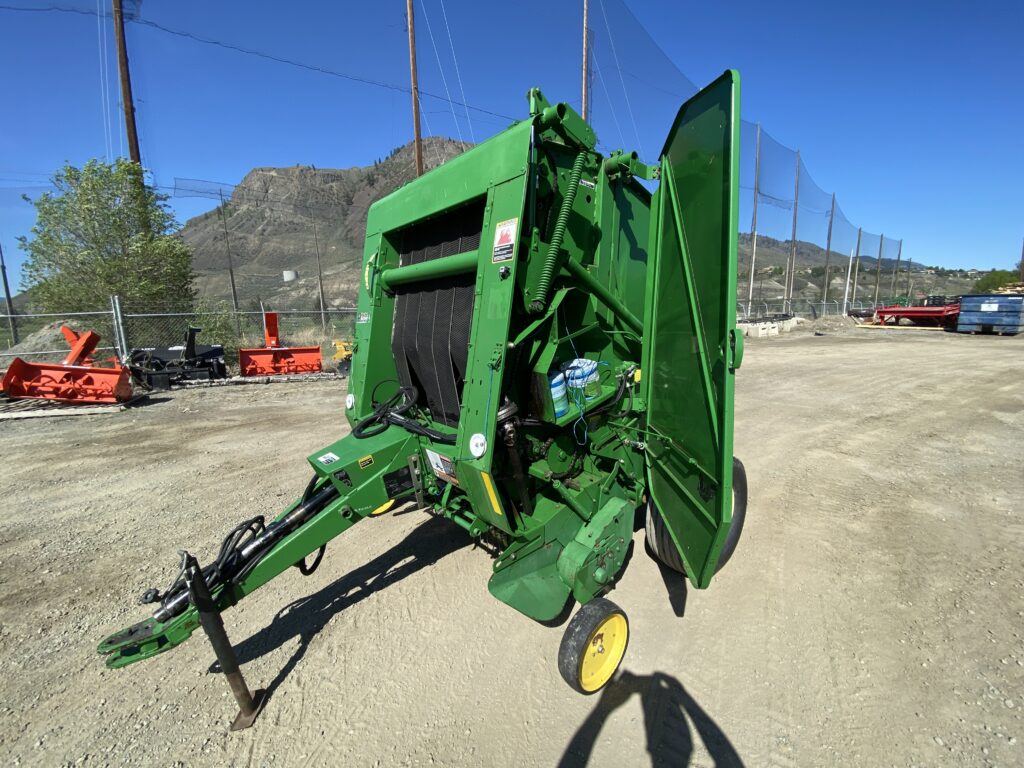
{"x": 873, "y": 613}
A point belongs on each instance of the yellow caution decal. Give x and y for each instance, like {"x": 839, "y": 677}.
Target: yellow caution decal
{"x": 490, "y": 493}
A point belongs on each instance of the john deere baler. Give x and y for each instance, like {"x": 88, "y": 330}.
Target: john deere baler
{"x": 545, "y": 353}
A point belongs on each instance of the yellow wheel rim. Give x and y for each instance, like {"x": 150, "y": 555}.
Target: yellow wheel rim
{"x": 604, "y": 650}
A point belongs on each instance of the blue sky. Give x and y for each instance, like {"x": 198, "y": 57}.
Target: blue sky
{"x": 910, "y": 113}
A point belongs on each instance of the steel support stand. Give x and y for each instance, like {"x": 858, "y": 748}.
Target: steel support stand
{"x": 249, "y": 705}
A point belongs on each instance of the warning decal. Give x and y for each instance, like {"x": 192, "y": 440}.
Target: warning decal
{"x": 442, "y": 466}
{"x": 505, "y": 240}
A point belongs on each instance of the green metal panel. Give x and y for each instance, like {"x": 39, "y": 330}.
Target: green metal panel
{"x": 688, "y": 368}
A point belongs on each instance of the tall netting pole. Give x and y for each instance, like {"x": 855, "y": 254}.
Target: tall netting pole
{"x": 791, "y": 266}
{"x": 584, "y": 109}
{"x": 846, "y": 285}
{"x": 856, "y": 267}
{"x": 1021, "y": 265}
{"x": 895, "y": 271}
{"x": 910, "y": 263}
{"x": 828, "y": 254}
{"x": 878, "y": 266}
{"x": 753, "y": 223}
{"x": 227, "y": 250}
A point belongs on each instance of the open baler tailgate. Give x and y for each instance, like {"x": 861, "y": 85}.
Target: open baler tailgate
{"x": 690, "y": 351}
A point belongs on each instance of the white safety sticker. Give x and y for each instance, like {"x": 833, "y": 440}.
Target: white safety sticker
{"x": 328, "y": 458}
{"x": 363, "y": 317}
{"x": 442, "y": 466}
{"x": 989, "y": 307}
{"x": 505, "y": 240}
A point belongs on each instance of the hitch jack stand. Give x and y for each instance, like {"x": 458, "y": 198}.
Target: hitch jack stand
{"x": 249, "y": 706}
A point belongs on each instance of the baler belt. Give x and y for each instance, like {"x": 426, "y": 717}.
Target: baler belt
{"x": 430, "y": 339}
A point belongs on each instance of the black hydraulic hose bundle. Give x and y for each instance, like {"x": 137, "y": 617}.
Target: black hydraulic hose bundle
{"x": 243, "y": 549}
{"x": 391, "y": 411}
{"x": 238, "y": 537}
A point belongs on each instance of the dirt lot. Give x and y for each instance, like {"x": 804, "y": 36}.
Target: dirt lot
{"x": 873, "y": 613}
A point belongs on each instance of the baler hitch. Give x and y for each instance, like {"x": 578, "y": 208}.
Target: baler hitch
{"x": 242, "y": 550}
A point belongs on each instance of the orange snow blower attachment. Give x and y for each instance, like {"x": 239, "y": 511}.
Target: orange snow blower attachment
{"x": 275, "y": 360}
{"x": 76, "y": 380}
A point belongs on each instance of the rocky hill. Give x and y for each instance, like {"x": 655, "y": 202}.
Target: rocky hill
{"x": 277, "y": 218}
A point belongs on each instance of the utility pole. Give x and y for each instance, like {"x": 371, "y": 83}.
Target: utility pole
{"x": 227, "y": 248}
{"x": 856, "y": 267}
{"x": 319, "y": 278}
{"x": 7, "y": 297}
{"x": 585, "y": 111}
{"x": 828, "y": 254}
{"x": 788, "y": 293}
{"x": 753, "y": 223}
{"x": 1021, "y": 265}
{"x": 878, "y": 266}
{"x": 126, "y": 86}
{"x": 415, "y": 89}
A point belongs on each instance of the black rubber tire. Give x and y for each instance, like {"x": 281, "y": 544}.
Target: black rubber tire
{"x": 660, "y": 543}
{"x": 577, "y": 637}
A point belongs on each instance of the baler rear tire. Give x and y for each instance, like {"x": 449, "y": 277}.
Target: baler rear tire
{"x": 660, "y": 543}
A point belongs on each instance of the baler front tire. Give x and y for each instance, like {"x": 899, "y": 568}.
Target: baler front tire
{"x": 593, "y": 646}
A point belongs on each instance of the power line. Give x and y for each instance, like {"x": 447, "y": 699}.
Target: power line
{"x": 259, "y": 54}
{"x": 625, "y": 93}
{"x": 458, "y": 74}
{"x": 101, "y": 51}
{"x": 444, "y": 80}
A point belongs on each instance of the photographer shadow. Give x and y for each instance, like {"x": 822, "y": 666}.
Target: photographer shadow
{"x": 669, "y": 711}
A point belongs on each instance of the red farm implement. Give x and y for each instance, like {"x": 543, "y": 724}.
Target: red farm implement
{"x": 944, "y": 315}
{"x": 76, "y": 380}
{"x": 275, "y": 360}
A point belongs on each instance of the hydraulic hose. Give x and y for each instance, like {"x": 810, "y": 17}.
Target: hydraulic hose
{"x": 391, "y": 412}
{"x": 243, "y": 549}
{"x": 547, "y": 274}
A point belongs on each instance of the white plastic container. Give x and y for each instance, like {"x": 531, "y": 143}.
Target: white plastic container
{"x": 581, "y": 374}
{"x": 559, "y": 400}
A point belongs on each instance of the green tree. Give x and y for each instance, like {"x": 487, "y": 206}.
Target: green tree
{"x": 997, "y": 278}
{"x": 103, "y": 232}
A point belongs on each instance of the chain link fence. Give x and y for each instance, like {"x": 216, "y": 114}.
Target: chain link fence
{"x": 40, "y": 338}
